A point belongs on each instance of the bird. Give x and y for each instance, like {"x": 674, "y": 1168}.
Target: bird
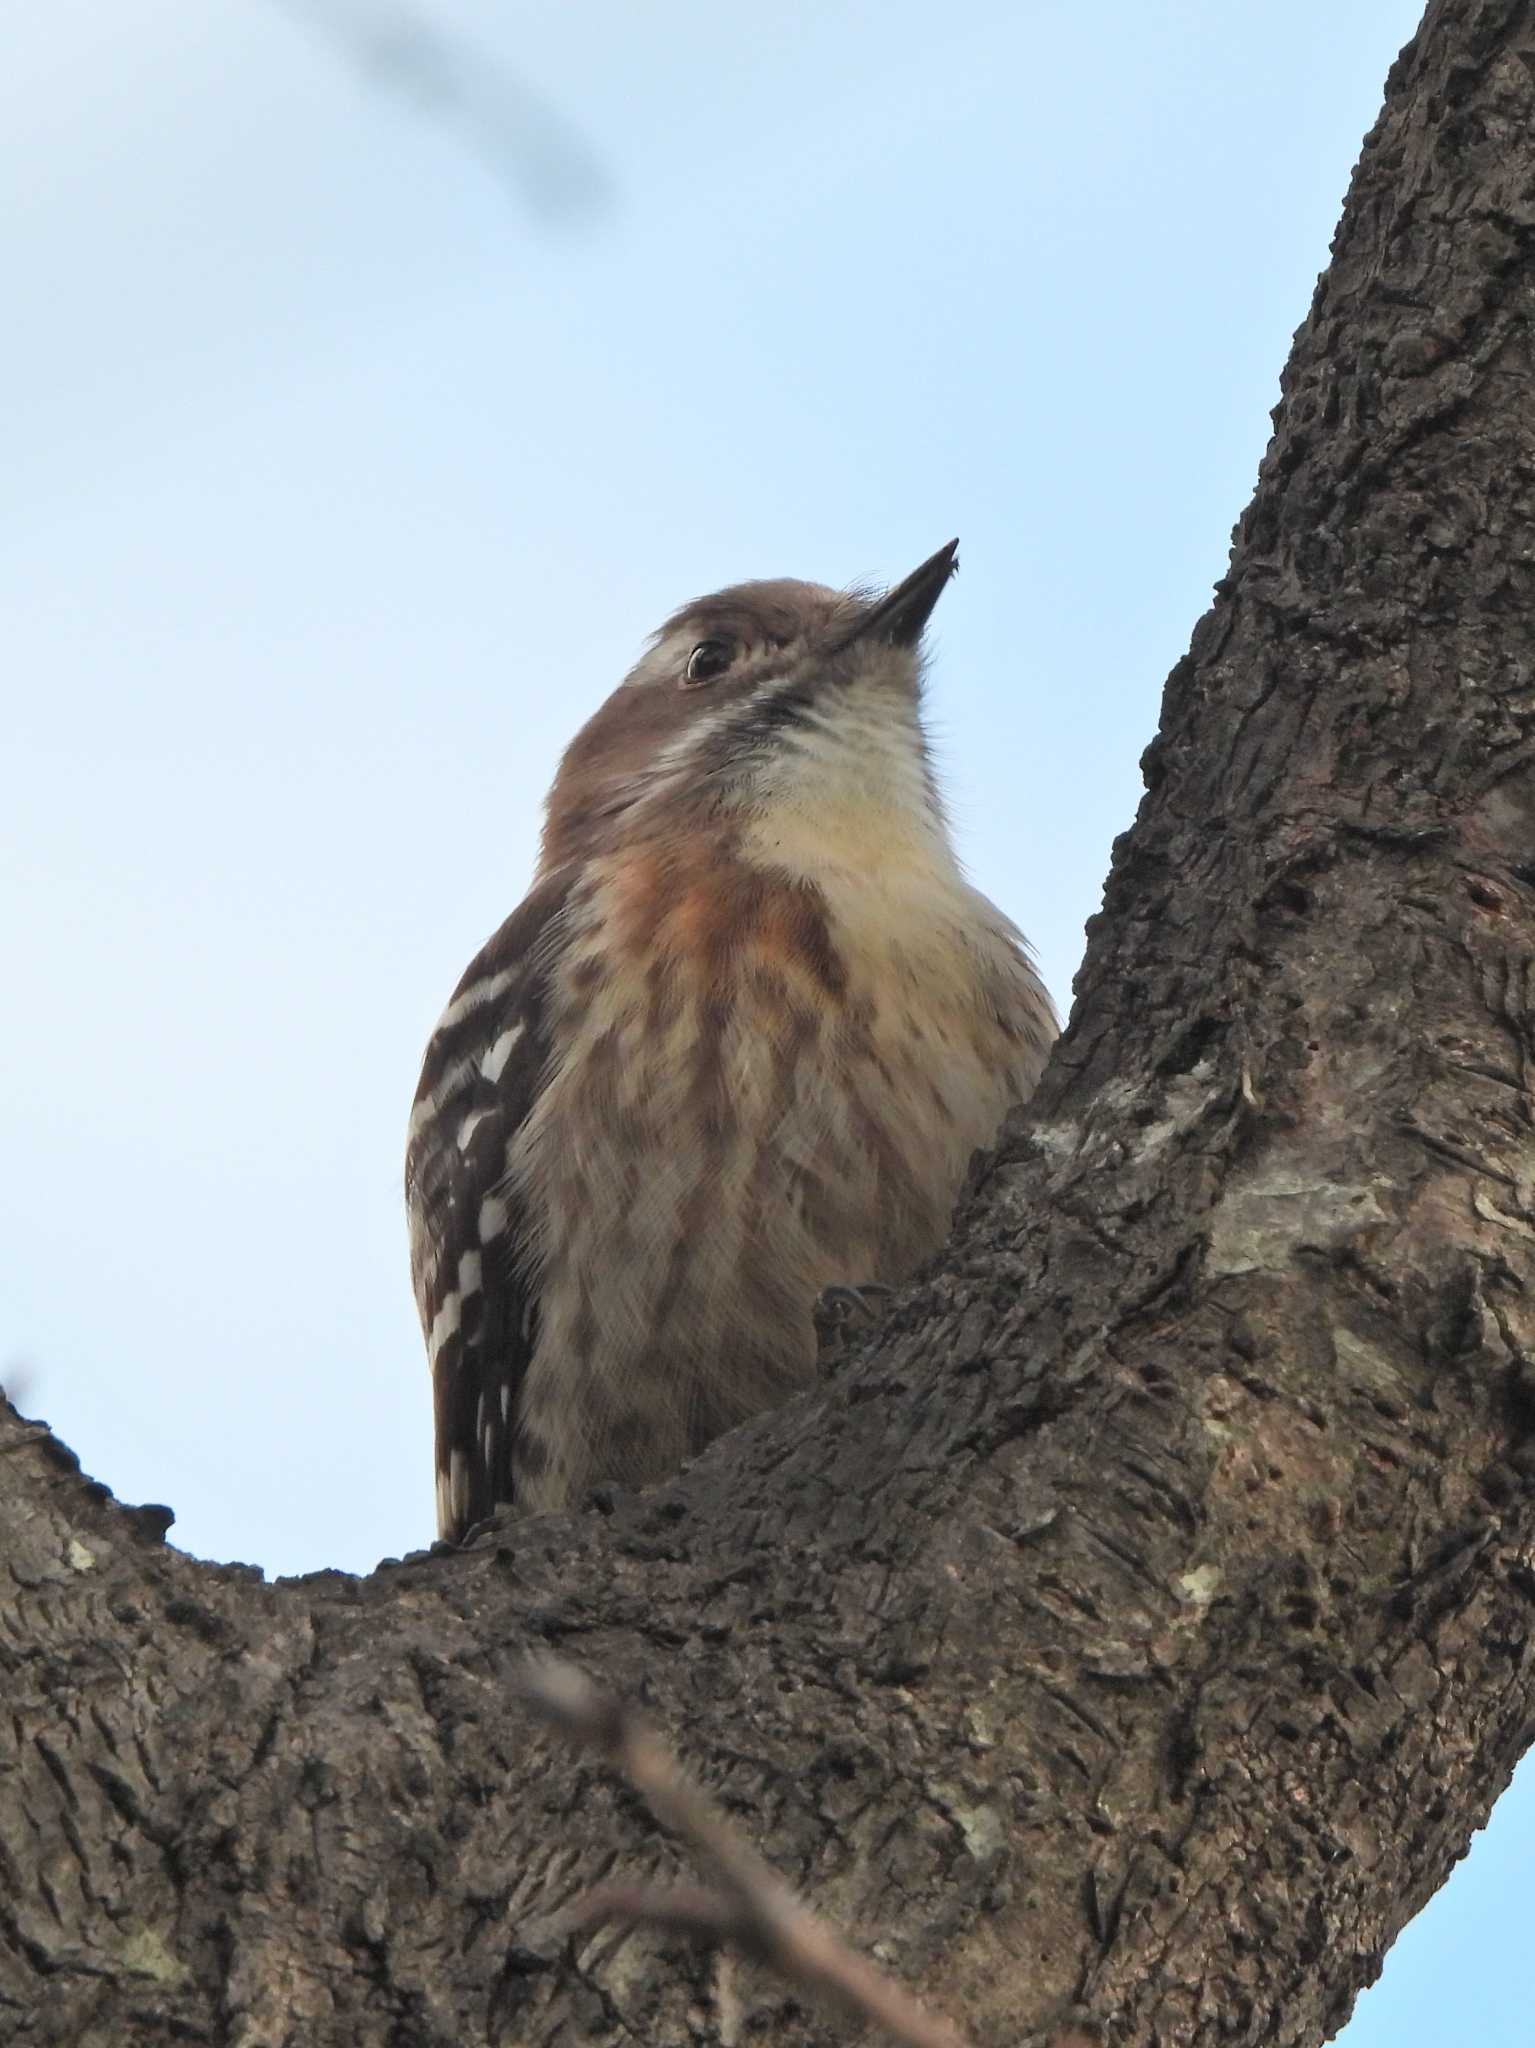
{"x": 734, "y": 1051}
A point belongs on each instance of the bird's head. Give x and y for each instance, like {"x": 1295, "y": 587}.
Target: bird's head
{"x": 764, "y": 696}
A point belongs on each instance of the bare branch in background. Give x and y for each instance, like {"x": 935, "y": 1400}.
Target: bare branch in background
{"x": 752, "y": 1907}
{"x": 529, "y": 147}
{"x": 18, "y": 1381}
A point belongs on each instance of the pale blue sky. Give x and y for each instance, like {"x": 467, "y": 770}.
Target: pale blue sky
{"x": 342, "y": 479}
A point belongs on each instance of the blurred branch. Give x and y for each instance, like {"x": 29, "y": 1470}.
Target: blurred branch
{"x": 18, "y": 1384}
{"x": 752, "y": 1906}
{"x": 526, "y": 144}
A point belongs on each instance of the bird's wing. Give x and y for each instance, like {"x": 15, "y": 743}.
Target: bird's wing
{"x": 479, "y": 1080}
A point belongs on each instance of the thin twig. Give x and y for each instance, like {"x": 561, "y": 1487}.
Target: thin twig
{"x": 685, "y": 1909}
{"x": 401, "y": 46}
{"x": 753, "y": 1908}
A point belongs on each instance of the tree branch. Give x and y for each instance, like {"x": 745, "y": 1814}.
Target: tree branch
{"x": 753, "y": 1908}
{"x": 1135, "y": 1628}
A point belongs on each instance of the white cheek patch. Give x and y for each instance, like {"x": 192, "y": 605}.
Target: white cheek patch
{"x": 680, "y": 755}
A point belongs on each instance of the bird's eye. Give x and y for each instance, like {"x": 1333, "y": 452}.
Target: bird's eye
{"x": 708, "y": 661}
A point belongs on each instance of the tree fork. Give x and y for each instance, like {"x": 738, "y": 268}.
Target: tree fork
{"x": 1127, "y": 1639}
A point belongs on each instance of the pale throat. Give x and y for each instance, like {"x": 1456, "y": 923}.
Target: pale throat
{"x": 850, "y": 796}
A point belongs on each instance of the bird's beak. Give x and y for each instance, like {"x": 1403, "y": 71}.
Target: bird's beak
{"x": 900, "y": 614}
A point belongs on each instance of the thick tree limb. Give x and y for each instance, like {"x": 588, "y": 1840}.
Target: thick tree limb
{"x": 1134, "y": 1630}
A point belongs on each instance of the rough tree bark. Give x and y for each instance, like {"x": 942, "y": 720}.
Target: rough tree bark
{"x": 1130, "y": 1638}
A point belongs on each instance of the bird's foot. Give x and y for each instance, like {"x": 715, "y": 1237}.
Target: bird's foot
{"x": 838, "y": 1312}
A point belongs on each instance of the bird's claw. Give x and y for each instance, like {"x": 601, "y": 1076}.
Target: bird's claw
{"x": 838, "y": 1310}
